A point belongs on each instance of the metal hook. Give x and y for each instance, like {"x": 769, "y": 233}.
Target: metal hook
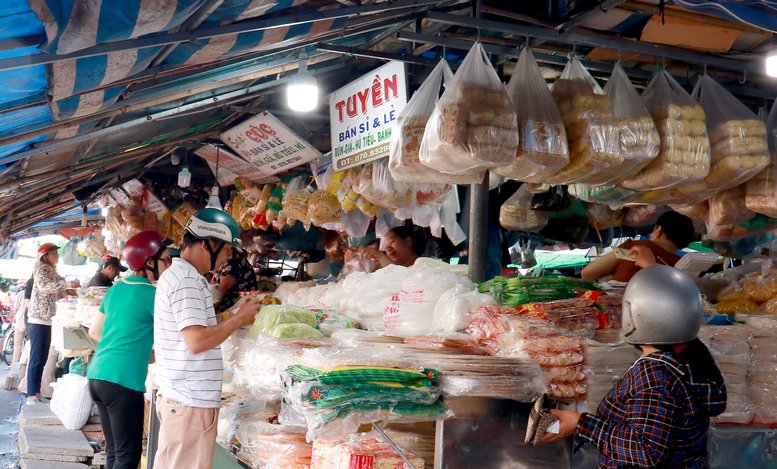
{"x": 744, "y": 78}
{"x": 705, "y": 69}
{"x": 619, "y": 55}
{"x": 527, "y": 41}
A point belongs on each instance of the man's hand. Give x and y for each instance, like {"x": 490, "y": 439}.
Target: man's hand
{"x": 247, "y": 307}
{"x": 567, "y": 423}
{"x": 645, "y": 257}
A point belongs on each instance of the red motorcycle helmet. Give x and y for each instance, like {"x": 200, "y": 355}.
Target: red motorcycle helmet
{"x": 142, "y": 247}
{"x": 46, "y": 248}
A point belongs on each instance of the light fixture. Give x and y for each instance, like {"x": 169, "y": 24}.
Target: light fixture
{"x": 771, "y": 64}
{"x": 214, "y": 201}
{"x": 302, "y": 90}
{"x": 184, "y": 177}
{"x": 104, "y": 211}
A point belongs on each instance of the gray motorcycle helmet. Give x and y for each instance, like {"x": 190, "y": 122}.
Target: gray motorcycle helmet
{"x": 661, "y": 305}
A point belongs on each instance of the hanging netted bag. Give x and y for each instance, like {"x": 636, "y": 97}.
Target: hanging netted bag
{"x": 685, "y": 149}
{"x": 762, "y": 189}
{"x": 590, "y": 126}
{"x": 404, "y": 162}
{"x": 473, "y": 126}
{"x": 516, "y": 213}
{"x": 738, "y": 148}
{"x": 542, "y": 147}
{"x": 639, "y": 138}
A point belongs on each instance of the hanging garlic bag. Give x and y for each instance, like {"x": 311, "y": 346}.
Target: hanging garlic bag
{"x": 684, "y": 156}
{"x": 587, "y": 113}
{"x": 473, "y": 127}
{"x": 762, "y": 189}
{"x": 542, "y": 146}
{"x": 738, "y": 149}
{"x": 638, "y": 135}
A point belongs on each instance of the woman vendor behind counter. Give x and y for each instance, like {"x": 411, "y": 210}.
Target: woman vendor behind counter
{"x": 671, "y": 233}
{"x": 404, "y": 246}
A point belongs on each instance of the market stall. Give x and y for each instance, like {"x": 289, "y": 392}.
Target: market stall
{"x": 612, "y": 114}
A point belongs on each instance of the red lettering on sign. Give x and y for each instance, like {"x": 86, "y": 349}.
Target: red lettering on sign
{"x": 380, "y": 92}
{"x": 262, "y": 132}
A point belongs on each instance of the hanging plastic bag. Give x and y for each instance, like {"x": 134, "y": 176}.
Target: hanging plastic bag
{"x": 738, "y": 149}
{"x": 685, "y": 149}
{"x": 610, "y": 195}
{"x": 642, "y": 215}
{"x": 602, "y": 217}
{"x": 376, "y": 184}
{"x": 516, "y": 213}
{"x": 638, "y": 134}
{"x": 404, "y": 161}
{"x": 762, "y": 189}
{"x": 542, "y": 147}
{"x": 70, "y": 254}
{"x": 473, "y": 126}
{"x": 587, "y": 113}
{"x": 728, "y": 207}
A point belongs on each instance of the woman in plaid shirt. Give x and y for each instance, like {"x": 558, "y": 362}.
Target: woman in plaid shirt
{"x": 658, "y": 414}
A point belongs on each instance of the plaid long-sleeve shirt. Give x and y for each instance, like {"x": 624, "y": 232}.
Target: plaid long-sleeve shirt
{"x": 655, "y": 416}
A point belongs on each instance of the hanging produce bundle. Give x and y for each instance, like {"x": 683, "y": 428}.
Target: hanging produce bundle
{"x": 762, "y": 189}
{"x": 639, "y": 138}
{"x": 473, "y": 126}
{"x": 685, "y": 149}
{"x": 594, "y": 145}
{"x": 542, "y": 147}
{"x": 737, "y": 138}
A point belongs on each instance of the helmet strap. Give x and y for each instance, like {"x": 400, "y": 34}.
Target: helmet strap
{"x": 214, "y": 253}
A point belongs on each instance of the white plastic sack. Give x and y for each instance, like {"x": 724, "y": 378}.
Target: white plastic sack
{"x": 452, "y": 311}
{"x": 71, "y": 402}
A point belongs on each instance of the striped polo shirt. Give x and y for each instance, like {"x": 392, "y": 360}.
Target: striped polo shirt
{"x": 183, "y": 299}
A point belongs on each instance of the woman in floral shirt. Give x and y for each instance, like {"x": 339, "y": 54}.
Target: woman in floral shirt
{"x": 48, "y": 287}
{"x": 233, "y": 277}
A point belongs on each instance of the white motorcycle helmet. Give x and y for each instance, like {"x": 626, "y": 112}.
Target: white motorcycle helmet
{"x": 661, "y": 305}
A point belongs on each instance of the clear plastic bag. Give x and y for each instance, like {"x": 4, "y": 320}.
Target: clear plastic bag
{"x": 737, "y": 139}
{"x": 642, "y": 215}
{"x": 762, "y": 189}
{"x": 323, "y": 207}
{"x": 609, "y": 195}
{"x": 542, "y": 148}
{"x": 473, "y": 126}
{"x": 685, "y": 149}
{"x": 516, "y": 213}
{"x": 594, "y": 145}
{"x": 295, "y": 206}
{"x": 728, "y": 207}
{"x": 376, "y": 184}
{"x": 638, "y": 134}
{"x": 404, "y": 151}
{"x": 274, "y": 446}
{"x": 361, "y": 450}
{"x": 603, "y": 217}
{"x": 452, "y": 311}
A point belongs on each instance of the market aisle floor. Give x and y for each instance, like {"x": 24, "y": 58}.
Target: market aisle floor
{"x": 10, "y": 403}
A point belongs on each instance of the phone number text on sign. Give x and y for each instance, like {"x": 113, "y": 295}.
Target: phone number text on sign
{"x": 363, "y": 157}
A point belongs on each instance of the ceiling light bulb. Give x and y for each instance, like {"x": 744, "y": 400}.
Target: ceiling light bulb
{"x": 302, "y": 92}
{"x": 184, "y": 177}
{"x": 104, "y": 212}
{"x": 771, "y": 64}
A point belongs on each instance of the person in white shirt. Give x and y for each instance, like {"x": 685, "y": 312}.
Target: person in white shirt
{"x": 187, "y": 341}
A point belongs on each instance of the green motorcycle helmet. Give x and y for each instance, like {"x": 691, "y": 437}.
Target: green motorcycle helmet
{"x": 215, "y": 224}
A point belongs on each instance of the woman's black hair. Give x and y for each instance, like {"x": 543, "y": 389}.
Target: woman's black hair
{"x": 677, "y": 227}
{"x": 698, "y": 357}
{"x": 417, "y": 240}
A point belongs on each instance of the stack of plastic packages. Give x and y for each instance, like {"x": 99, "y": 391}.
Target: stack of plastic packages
{"x": 762, "y": 189}
{"x": 611, "y": 319}
{"x": 363, "y": 450}
{"x": 521, "y": 290}
{"x": 473, "y": 127}
{"x": 274, "y": 446}
{"x": 558, "y": 353}
{"x": 685, "y": 149}
{"x": 333, "y": 402}
{"x": 594, "y": 145}
{"x": 730, "y": 347}
{"x": 576, "y": 315}
{"x": 285, "y": 322}
{"x": 542, "y": 148}
{"x": 604, "y": 366}
{"x": 727, "y": 210}
{"x": 737, "y": 140}
{"x": 762, "y": 375}
{"x": 88, "y": 304}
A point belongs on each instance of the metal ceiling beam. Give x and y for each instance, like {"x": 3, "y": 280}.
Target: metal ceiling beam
{"x": 583, "y": 16}
{"x": 207, "y": 33}
{"x": 591, "y": 40}
{"x": 561, "y": 60}
{"x": 358, "y": 52}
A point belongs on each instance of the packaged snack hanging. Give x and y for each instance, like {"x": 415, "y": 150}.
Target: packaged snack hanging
{"x": 404, "y": 162}
{"x": 587, "y": 113}
{"x": 473, "y": 126}
{"x": 762, "y": 189}
{"x": 728, "y": 207}
{"x": 685, "y": 149}
{"x": 376, "y": 184}
{"x": 738, "y": 149}
{"x": 542, "y": 145}
{"x": 516, "y": 213}
{"x": 638, "y": 134}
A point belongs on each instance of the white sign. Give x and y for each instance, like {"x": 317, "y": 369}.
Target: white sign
{"x": 363, "y": 113}
{"x": 269, "y": 145}
{"x": 230, "y": 165}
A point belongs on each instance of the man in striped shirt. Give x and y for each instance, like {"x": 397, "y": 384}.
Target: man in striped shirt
{"x": 187, "y": 340}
